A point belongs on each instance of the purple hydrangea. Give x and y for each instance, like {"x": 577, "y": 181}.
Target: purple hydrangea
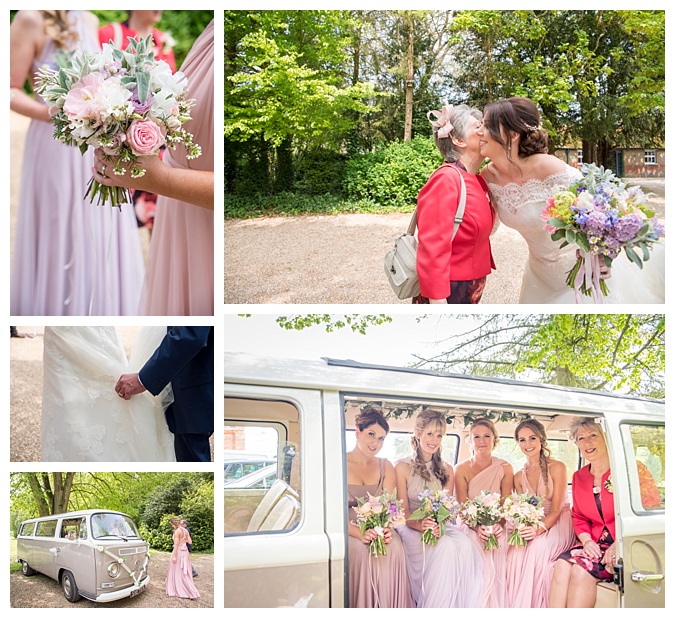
{"x": 596, "y": 222}
{"x": 627, "y": 227}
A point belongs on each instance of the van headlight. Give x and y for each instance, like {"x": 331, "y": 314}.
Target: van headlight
{"x": 114, "y": 569}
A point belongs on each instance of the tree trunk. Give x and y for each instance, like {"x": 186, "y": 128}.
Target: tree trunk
{"x": 590, "y": 151}
{"x": 283, "y": 177}
{"x": 51, "y": 495}
{"x": 410, "y": 74}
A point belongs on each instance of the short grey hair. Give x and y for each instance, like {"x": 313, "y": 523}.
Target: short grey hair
{"x": 461, "y": 114}
{"x": 587, "y": 422}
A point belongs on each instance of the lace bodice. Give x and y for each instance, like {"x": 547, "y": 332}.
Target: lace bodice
{"x": 520, "y": 205}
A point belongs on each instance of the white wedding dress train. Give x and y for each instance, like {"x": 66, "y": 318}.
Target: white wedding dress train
{"x": 519, "y": 206}
{"x": 83, "y": 419}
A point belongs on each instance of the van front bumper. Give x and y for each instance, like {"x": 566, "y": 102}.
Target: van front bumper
{"x": 115, "y": 595}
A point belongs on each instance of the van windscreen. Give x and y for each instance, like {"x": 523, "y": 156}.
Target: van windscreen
{"x": 113, "y": 525}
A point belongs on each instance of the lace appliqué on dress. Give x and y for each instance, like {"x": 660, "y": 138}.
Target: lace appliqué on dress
{"x": 513, "y": 196}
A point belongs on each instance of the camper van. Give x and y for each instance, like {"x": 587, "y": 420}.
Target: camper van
{"x": 286, "y": 545}
{"x": 94, "y": 554}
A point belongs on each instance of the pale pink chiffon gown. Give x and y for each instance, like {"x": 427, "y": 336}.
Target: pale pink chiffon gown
{"x": 179, "y": 581}
{"x": 494, "y": 560}
{"x": 375, "y": 582}
{"x": 71, "y": 257}
{"x": 448, "y": 574}
{"x": 179, "y": 278}
{"x": 530, "y": 568}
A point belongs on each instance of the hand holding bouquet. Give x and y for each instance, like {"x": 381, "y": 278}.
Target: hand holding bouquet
{"x": 484, "y": 510}
{"x": 124, "y": 102}
{"x": 440, "y": 506}
{"x": 522, "y": 510}
{"x": 379, "y": 513}
{"x": 602, "y": 217}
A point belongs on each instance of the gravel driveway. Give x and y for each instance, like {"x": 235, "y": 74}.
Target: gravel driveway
{"x": 339, "y": 259}
{"x": 42, "y": 591}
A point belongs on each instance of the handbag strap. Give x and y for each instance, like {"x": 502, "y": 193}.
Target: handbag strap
{"x": 459, "y": 215}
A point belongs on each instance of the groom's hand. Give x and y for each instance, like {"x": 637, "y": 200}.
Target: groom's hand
{"x": 129, "y": 385}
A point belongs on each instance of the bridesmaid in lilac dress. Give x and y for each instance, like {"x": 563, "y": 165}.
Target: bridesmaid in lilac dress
{"x": 70, "y": 257}
{"x": 450, "y": 573}
{"x": 179, "y": 578}
{"x": 381, "y": 581}
{"x": 529, "y": 569}
{"x": 481, "y": 472}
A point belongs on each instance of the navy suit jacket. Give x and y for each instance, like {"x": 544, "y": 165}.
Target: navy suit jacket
{"x": 184, "y": 358}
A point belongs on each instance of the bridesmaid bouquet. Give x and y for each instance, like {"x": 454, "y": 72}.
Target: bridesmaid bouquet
{"x": 522, "y": 510}
{"x": 440, "y": 506}
{"x": 602, "y": 216}
{"x": 377, "y": 513}
{"x": 484, "y": 510}
{"x": 124, "y": 102}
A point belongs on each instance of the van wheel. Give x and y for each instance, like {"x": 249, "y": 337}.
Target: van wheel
{"x": 69, "y": 586}
{"x": 26, "y": 570}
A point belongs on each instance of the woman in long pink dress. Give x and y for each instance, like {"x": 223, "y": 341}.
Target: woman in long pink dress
{"x": 449, "y": 573}
{"x": 179, "y": 275}
{"x": 481, "y": 472}
{"x": 70, "y": 257}
{"x": 179, "y": 578}
{"x": 382, "y": 581}
{"x": 530, "y": 569}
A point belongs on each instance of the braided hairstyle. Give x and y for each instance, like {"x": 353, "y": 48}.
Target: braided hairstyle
{"x": 545, "y": 453}
{"x": 59, "y": 28}
{"x": 435, "y": 420}
{"x": 516, "y": 115}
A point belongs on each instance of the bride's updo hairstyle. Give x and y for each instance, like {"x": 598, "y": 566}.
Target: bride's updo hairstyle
{"x": 59, "y": 28}
{"x": 451, "y": 122}
{"x": 434, "y": 420}
{"x": 371, "y": 416}
{"x": 538, "y": 430}
{"x": 518, "y": 115}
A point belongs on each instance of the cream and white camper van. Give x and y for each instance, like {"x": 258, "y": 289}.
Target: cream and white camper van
{"x": 285, "y": 545}
{"x": 95, "y": 554}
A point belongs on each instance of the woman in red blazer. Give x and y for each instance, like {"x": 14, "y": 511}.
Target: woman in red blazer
{"x": 577, "y": 571}
{"x": 454, "y": 271}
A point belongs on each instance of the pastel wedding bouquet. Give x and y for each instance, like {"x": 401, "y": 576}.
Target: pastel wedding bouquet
{"x": 440, "y": 506}
{"x": 601, "y": 215}
{"x": 484, "y": 510}
{"x": 522, "y": 510}
{"x": 379, "y": 513}
{"x": 124, "y": 102}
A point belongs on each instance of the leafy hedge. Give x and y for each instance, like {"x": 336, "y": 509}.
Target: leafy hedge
{"x": 392, "y": 175}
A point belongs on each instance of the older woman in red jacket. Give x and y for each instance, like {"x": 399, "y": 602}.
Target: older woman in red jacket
{"x": 454, "y": 270}
{"x": 577, "y": 571}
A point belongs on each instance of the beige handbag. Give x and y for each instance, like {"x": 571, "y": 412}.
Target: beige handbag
{"x": 400, "y": 264}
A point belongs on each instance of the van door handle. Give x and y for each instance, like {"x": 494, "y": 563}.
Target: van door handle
{"x": 646, "y": 577}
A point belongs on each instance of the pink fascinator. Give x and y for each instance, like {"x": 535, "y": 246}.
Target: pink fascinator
{"x": 442, "y": 122}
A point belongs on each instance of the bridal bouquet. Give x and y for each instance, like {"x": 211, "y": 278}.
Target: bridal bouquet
{"x": 484, "y": 510}
{"x": 522, "y": 510}
{"x": 124, "y": 102}
{"x": 378, "y": 513}
{"x": 602, "y": 216}
{"x": 440, "y": 506}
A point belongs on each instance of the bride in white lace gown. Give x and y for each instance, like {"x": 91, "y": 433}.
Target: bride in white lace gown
{"x": 521, "y": 176}
{"x": 83, "y": 419}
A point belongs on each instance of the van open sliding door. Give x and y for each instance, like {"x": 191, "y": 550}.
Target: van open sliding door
{"x": 278, "y": 550}
{"x": 640, "y": 509}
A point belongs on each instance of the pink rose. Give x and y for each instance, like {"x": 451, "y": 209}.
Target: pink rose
{"x": 144, "y": 137}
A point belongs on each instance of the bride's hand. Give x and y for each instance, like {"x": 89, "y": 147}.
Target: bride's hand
{"x": 129, "y": 385}
{"x": 605, "y": 271}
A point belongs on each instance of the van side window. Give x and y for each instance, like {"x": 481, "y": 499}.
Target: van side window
{"x": 645, "y": 459}
{"x": 46, "y": 528}
{"x": 262, "y": 466}
{"x": 27, "y": 529}
{"x": 74, "y": 529}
